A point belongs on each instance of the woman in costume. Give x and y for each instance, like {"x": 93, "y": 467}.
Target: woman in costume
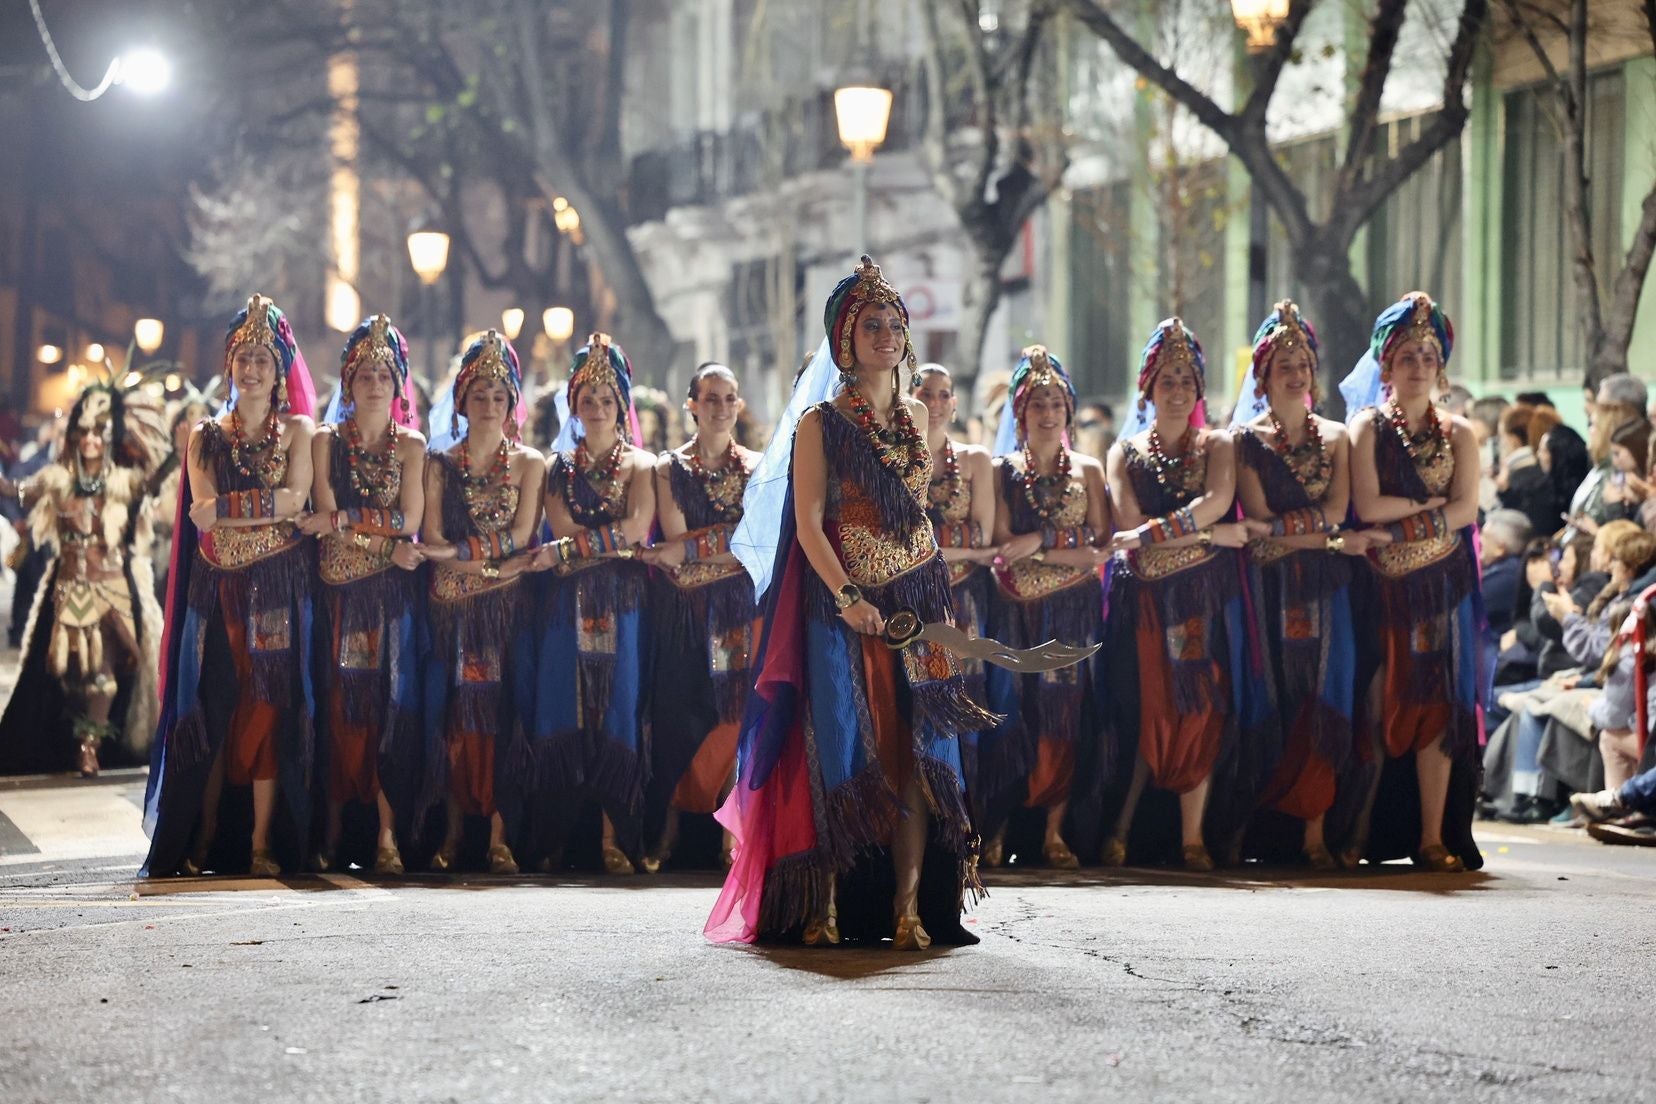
{"x": 368, "y": 492}
{"x": 961, "y": 504}
{"x": 91, "y": 647}
{"x": 1179, "y": 605}
{"x": 1414, "y": 476}
{"x": 1051, "y": 521}
{"x": 703, "y": 622}
{"x": 1294, "y": 474}
{"x": 848, "y": 747}
{"x": 238, "y": 702}
{"x": 589, "y": 704}
{"x": 481, "y": 510}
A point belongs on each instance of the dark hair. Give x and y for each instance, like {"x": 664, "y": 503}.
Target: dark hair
{"x": 1570, "y": 463}
{"x": 1532, "y": 398}
{"x": 1635, "y": 438}
{"x": 703, "y": 370}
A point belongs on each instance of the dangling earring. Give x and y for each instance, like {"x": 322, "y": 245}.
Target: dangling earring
{"x": 281, "y": 394}
{"x": 848, "y": 379}
{"x": 1443, "y": 379}
{"x": 512, "y": 426}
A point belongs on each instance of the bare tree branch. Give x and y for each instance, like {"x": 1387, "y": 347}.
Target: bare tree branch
{"x": 1384, "y": 30}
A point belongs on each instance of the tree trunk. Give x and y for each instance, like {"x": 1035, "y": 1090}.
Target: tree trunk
{"x": 1337, "y": 309}
{"x": 980, "y": 294}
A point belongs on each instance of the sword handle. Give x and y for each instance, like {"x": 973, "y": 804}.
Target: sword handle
{"x": 902, "y": 628}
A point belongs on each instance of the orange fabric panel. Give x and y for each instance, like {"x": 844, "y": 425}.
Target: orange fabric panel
{"x": 1179, "y": 748}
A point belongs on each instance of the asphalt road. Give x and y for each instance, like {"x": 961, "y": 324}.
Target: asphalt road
{"x": 1525, "y": 982}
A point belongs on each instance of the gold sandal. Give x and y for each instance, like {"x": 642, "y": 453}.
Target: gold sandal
{"x": 1060, "y": 857}
{"x": 1196, "y": 858}
{"x": 910, "y": 936}
{"x": 616, "y": 861}
{"x": 443, "y": 861}
{"x": 1114, "y": 852}
{"x": 263, "y": 865}
{"x": 1439, "y": 860}
{"x": 501, "y": 860}
{"x": 388, "y": 860}
{"x": 824, "y": 932}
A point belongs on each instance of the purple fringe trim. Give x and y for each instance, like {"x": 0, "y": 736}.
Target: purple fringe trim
{"x": 849, "y": 456}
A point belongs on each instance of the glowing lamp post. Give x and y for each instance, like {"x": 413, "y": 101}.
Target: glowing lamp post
{"x": 511, "y": 322}
{"x": 428, "y": 250}
{"x": 147, "y": 334}
{"x": 1259, "y": 19}
{"x": 862, "y": 112}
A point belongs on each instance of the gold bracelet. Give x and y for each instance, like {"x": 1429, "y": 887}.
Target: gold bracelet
{"x": 1336, "y": 541}
{"x": 362, "y": 540}
{"x": 1204, "y": 538}
{"x": 491, "y": 570}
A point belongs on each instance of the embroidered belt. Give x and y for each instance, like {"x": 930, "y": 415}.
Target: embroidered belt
{"x": 960, "y": 571}
{"x": 230, "y": 549}
{"x": 1264, "y": 552}
{"x": 1396, "y": 560}
{"x": 1026, "y": 580}
{"x": 693, "y": 576}
{"x": 874, "y": 558}
{"x": 343, "y": 562}
{"x": 448, "y": 585}
{"x": 1159, "y": 563}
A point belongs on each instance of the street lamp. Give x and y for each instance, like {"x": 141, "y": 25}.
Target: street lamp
{"x": 143, "y": 69}
{"x": 95, "y": 353}
{"x": 49, "y": 354}
{"x": 511, "y": 322}
{"x": 147, "y": 333}
{"x": 428, "y": 250}
{"x": 862, "y": 110}
{"x": 1259, "y": 19}
{"x": 559, "y": 323}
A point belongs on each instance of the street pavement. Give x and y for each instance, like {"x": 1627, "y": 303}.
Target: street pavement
{"x": 1528, "y": 981}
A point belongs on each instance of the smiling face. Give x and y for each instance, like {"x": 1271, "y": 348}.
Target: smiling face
{"x": 1045, "y": 412}
{"x": 597, "y": 407}
{"x": 487, "y": 403}
{"x": 878, "y": 338}
{"x": 1176, "y": 390}
{"x": 373, "y": 386}
{"x": 936, "y": 390}
{"x": 716, "y": 403}
{"x": 1415, "y": 367}
{"x": 253, "y": 368}
{"x": 1290, "y": 375}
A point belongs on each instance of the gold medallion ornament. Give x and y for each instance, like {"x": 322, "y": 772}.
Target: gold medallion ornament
{"x": 255, "y": 330}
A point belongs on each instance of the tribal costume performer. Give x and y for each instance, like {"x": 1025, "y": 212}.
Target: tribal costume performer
{"x": 90, "y": 651}
{"x": 1051, "y": 524}
{"x": 704, "y": 634}
{"x": 1179, "y": 606}
{"x": 479, "y": 522}
{"x": 1414, "y": 475}
{"x": 368, "y": 492}
{"x": 961, "y": 505}
{"x": 1294, "y": 474}
{"x": 589, "y": 730}
{"x": 238, "y": 704}
{"x": 849, "y": 748}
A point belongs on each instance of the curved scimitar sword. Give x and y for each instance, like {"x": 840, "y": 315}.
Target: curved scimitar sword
{"x": 905, "y": 627}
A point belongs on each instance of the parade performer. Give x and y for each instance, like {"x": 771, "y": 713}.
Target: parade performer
{"x": 589, "y": 726}
{"x": 481, "y": 509}
{"x": 92, "y": 644}
{"x": 1052, "y": 523}
{"x": 1294, "y": 474}
{"x": 1414, "y": 475}
{"x": 191, "y": 407}
{"x": 703, "y": 627}
{"x": 237, "y": 696}
{"x": 1179, "y": 607}
{"x": 849, "y": 747}
{"x": 960, "y": 501}
{"x": 368, "y": 494}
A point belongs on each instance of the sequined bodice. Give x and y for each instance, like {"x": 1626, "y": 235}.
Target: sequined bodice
{"x": 716, "y": 500}
{"x": 949, "y": 504}
{"x": 383, "y": 482}
{"x": 861, "y": 513}
{"x": 1290, "y": 483}
{"x": 227, "y": 477}
{"x": 1072, "y": 511}
{"x": 491, "y": 510}
{"x": 1162, "y": 494}
{"x": 1433, "y": 467}
{"x": 588, "y": 507}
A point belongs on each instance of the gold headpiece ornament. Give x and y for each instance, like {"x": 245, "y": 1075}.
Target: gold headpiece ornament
{"x": 1290, "y": 334}
{"x": 597, "y": 368}
{"x": 872, "y": 287}
{"x": 1040, "y": 366}
{"x": 1420, "y": 321}
{"x": 1175, "y": 347}
{"x": 255, "y": 330}
{"x": 491, "y": 361}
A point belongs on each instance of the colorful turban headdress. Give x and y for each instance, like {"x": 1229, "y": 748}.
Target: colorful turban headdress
{"x": 1415, "y": 317}
{"x": 262, "y": 323}
{"x": 1036, "y": 368}
{"x": 864, "y": 287}
{"x": 600, "y": 363}
{"x": 375, "y": 341}
{"x": 1171, "y": 344}
{"x": 1283, "y": 329}
{"x": 492, "y": 358}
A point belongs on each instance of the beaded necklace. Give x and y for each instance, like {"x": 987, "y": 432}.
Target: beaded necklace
{"x": 900, "y": 447}
{"x": 270, "y": 465}
{"x": 373, "y": 475}
{"x": 605, "y": 478}
{"x": 1046, "y": 493}
{"x": 489, "y": 496}
{"x": 722, "y": 486}
{"x": 88, "y": 487}
{"x": 1313, "y": 473}
{"x": 1176, "y": 474}
{"x": 1423, "y": 447}
{"x": 945, "y": 488}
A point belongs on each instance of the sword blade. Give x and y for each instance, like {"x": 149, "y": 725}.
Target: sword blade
{"x": 1050, "y": 656}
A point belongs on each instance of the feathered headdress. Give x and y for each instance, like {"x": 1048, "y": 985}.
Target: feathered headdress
{"x": 862, "y": 288}
{"x": 376, "y": 341}
{"x": 1036, "y": 368}
{"x": 1172, "y": 343}
{"x": 490, "y": 357}
{"x": 132, "y": 421}
{"x": 262, "y": 323}
{"x": 1283, "y": 329}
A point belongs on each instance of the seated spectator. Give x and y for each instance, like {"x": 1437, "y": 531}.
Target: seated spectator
{"x": 1485, "y": 415}
{"x": 1520, "y": 646}
{"x": 1621, "y": 400}
{"x": 1521, "y": 483}
{"x": 1504, "y": 533}
{"x": 1534, "y": 398}
{"x": 1629, "y": 459}
{"x": 1629, "y": 794}
{"x": 1563, "y": 455}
